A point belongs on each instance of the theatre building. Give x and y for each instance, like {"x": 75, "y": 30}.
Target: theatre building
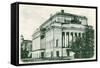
{"x": 52, "y": 40}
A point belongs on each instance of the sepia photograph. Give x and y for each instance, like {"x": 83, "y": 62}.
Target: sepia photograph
{"x": 54, "y": 33}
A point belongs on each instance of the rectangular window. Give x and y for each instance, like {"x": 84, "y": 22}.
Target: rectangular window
{"x": 42, "y": 54}
{"x": 57, "y": 53}
{"x": 57, "y": 43}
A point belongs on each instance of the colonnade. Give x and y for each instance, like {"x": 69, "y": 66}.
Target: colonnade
{"x": 69, "y": 37}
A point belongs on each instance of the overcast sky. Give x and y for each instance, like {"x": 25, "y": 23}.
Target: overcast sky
{"x": 32, "y": 16}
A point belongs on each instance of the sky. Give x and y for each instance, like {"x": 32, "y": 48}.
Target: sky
{"x": 32, "y": 16}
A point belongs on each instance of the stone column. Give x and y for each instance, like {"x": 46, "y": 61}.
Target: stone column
{"x": 72, "y": 38}
{"x": 67, "y": 50}
{"x": 65, "y": 39}
{"x": 68, "y": 38}
{"x": 81, "y": 35}
{"x": 62, "y": 39}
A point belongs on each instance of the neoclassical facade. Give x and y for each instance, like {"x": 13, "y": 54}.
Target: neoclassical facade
{"x": 54, "y": 37}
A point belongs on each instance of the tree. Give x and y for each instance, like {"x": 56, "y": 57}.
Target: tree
{"x": 89, "y": 48}
{"x": 84, "y": 46}
{"x": 77, "y": 47}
